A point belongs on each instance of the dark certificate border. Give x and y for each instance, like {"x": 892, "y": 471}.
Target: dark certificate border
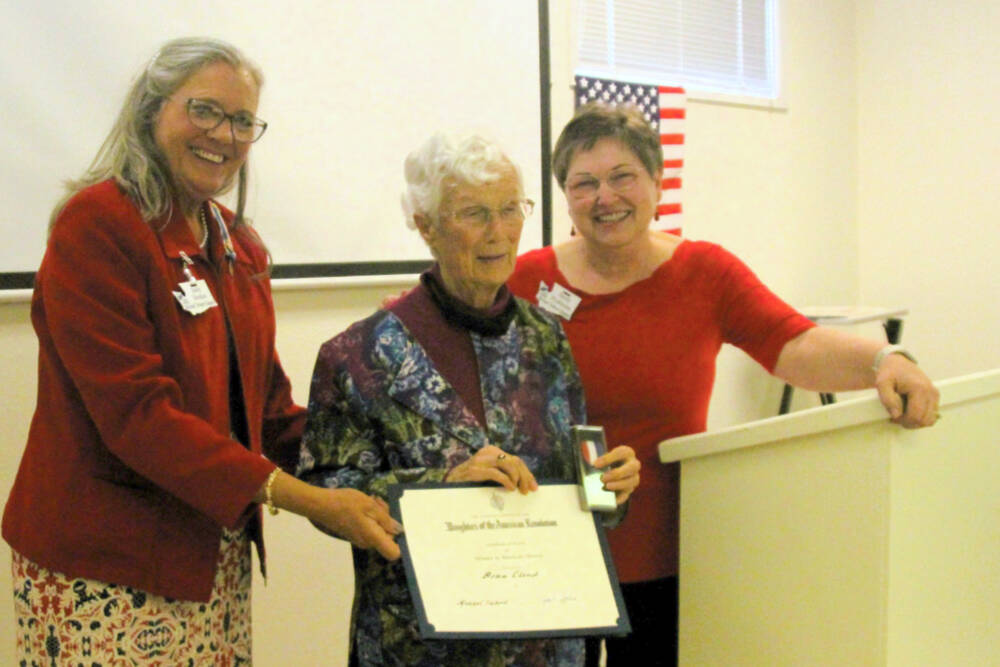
{"x": 427, "y": 631}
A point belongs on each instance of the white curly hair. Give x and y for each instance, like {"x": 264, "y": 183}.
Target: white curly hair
{"x": 448, "y": 158}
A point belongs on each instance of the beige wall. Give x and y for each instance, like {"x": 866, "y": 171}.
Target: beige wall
{"x": 785, "y": 190}
{"x": 929, "y": 174}
{"x": 18, "y": 351}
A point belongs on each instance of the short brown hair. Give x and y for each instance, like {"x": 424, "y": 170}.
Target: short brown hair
{"x": 596, "y": 121}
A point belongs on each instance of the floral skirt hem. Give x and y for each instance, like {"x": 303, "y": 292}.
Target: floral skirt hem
{"x": 64, "y": 621}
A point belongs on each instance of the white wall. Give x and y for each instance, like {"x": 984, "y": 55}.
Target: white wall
{"x": 363, "y": 84}
{"x": 783, "y": 189}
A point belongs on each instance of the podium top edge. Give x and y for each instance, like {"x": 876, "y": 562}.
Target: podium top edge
{"x": 817, "y": 420}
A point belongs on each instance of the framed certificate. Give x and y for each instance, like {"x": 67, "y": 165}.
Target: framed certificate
{"x": 483, "y": 562}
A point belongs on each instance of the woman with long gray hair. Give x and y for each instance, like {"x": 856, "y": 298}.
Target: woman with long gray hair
{"x": 163, "y": 419}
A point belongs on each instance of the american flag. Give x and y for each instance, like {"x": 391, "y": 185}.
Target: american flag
{"x": 663, "y": 107}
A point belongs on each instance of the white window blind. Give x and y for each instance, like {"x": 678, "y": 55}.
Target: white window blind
{"x": 714, "y": 46}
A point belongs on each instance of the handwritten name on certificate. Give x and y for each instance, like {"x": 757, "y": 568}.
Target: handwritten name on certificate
{"x": 483, "y": 561}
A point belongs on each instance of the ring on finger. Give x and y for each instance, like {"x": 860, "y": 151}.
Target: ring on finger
{"x": 501, "y": 456}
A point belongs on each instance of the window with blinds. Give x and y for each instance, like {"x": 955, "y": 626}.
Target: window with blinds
{"x": 707, "y": 46}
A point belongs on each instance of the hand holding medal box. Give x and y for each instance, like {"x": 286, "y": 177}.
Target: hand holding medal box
{"x": 590, "y": 445}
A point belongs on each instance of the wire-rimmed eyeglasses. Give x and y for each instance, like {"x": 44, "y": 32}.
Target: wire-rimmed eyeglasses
{"x": 586, "y": 187}
{"x": 207, "y": 115}
{"x": 480, "y": 216}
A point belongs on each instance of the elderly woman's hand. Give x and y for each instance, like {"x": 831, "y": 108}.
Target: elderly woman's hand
{"x": 906, "y": 392}
{"x": 495, "y": 465}
{"x": 623, "y": 474}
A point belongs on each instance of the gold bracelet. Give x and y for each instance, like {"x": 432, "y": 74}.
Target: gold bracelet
{"x": 268, "y": 498}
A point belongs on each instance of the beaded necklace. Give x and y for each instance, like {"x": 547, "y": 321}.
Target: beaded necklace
{"x": 204, "y": 228}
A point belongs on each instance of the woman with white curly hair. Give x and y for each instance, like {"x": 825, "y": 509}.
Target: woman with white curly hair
{"x": 455, "y": 381}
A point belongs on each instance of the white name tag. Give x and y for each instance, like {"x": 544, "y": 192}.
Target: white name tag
{"x": 558, "y": 300}
{"x": 195, "y": 297}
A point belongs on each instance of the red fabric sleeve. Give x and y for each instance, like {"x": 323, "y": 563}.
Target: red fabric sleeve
{"x": 750, "y": 315}
{"x": 96, "y": 310}
{"x": 284, "y": 422}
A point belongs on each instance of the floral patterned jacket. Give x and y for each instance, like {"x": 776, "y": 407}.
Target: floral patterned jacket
{"x": 379, "y": 413}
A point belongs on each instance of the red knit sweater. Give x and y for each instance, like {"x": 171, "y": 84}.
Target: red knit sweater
{"x": 647, "y": 359}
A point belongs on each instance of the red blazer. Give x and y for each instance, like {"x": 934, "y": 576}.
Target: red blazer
{"x": 129, "y": 473}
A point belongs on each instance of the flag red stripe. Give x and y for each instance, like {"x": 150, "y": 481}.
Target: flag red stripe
{"x": 671, "y": 139}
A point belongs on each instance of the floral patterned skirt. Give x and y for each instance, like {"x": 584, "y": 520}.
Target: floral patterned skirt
{"x": 64, "y": 621}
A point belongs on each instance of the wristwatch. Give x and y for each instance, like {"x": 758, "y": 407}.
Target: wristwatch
{"x": 886, "y": 351}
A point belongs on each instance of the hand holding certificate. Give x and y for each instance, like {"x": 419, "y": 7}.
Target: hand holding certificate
{"x": 485, "y": 562}
{"x": 492, "y": 464}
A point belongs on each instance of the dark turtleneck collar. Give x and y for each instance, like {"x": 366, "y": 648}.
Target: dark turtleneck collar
{"x": 493, "y": 321}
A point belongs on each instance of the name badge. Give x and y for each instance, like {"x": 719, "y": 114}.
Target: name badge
{"x": 558, "y": 300}
{"x": 194, "y": 295}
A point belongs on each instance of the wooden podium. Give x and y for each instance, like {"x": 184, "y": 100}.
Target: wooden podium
{"x": 833, "y": 537}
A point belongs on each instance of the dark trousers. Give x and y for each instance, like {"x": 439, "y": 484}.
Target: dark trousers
{"x": 652, "y": 611}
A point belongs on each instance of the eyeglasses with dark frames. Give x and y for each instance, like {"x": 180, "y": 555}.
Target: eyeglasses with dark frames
{"x": 207, "y": 115}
